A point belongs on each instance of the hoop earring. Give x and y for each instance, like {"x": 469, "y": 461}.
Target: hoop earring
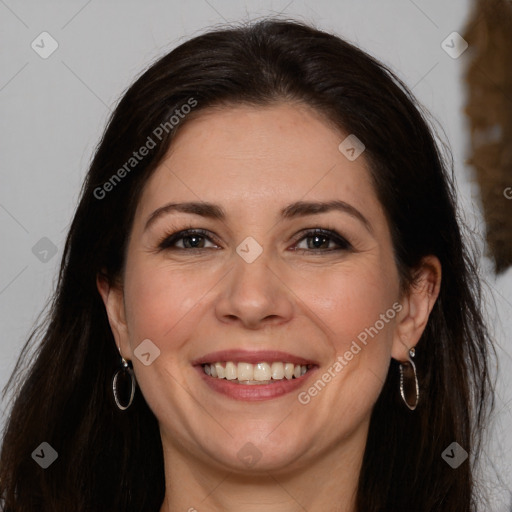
{"x": 124, "y": 372}
{"x": 409, "y": 388}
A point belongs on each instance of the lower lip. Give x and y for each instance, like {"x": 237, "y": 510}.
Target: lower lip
{"x": 254, "y": 392}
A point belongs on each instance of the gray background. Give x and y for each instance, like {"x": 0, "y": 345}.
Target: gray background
{"x": 53, "y": 112}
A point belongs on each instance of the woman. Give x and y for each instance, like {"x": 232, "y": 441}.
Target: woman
{"x": 264, "y": 303}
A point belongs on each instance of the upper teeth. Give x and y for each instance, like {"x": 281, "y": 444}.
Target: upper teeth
{"x": 259, "y": 372}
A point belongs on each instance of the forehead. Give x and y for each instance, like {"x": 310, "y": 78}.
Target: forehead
{"x": 249, "y": 156}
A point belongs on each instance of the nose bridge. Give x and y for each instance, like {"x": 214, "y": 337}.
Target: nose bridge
{"x": 252, "y": 279}
{"x": 252, "y": 292}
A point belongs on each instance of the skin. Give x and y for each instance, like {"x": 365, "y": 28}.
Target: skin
{"x": 254, "y": 161}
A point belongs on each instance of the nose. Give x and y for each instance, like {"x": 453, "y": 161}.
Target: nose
{"x": 254, "y": 295}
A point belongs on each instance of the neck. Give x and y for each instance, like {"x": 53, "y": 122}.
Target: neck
{"x": 327, "y": 483}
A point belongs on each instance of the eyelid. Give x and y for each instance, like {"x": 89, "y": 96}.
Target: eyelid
{"x": 340, "y": 240}
{"x": 177, "y": 234}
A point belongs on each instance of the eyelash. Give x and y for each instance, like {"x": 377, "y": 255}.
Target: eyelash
{"x": 167, "y": 242}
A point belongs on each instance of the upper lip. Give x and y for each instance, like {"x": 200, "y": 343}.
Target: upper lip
{"x": 251, "y": 356}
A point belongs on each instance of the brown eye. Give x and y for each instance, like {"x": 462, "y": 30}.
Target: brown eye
{"x": 187, "y": 240}
{"x": 320, "y": 240}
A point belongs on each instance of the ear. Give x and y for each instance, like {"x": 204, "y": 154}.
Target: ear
{"x": 113, "y": 298}
{"x": 416, "y": 307}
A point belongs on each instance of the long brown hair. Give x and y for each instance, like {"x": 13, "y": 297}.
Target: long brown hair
{"x": 110, "y": 460}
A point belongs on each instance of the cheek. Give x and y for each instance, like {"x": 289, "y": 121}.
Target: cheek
{"x": 164, "y": 305}
{"x": 355, "y": 309}
{"x": 159, "y": 300}
{"x": 349, "y": 301}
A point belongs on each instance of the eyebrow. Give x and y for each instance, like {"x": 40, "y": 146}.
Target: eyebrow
{"x": 293, "y": 210}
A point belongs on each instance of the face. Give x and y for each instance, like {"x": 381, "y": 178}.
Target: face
{"x": 283, "y": 265}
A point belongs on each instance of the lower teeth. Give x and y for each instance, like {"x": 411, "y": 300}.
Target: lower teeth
{"x": 256, "y": 382}
{"x": 253, "y": 382}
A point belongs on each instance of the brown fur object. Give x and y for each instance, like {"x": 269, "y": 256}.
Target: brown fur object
{"x": 489, "y": 107}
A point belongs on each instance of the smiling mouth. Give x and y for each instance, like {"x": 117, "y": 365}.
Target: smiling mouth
{"x": 255, "y": 374}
